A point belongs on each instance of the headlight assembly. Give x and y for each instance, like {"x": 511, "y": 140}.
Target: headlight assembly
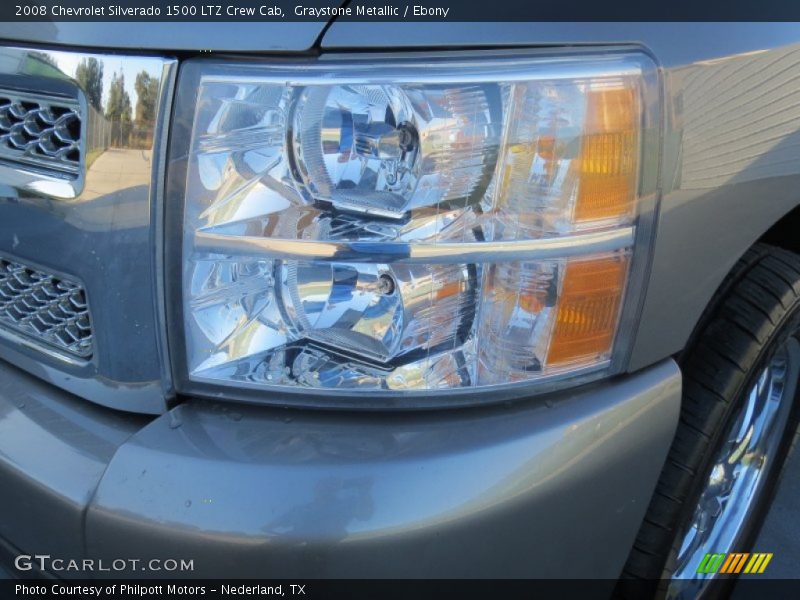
{"x": 406, "y": 231}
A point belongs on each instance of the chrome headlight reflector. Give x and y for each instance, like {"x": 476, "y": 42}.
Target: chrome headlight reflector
{"x": 420, "y": 227}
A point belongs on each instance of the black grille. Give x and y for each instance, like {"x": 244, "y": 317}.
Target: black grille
{"x": 44, "y": 307}
{"x": 41, "y": 132}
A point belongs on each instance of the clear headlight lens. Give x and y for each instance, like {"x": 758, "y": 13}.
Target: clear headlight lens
{"x": 411, "y": 226}
{"x": 386, "y": 149}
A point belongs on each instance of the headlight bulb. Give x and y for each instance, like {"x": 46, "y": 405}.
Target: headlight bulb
{"x": 382, "y": 150}
{"x": 377, "y": 310}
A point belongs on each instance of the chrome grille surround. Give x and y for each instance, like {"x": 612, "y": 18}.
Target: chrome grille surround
{"x": 46, "y": 308}
{"x": 100, "y": 228}
{"x": 41, "y": 131}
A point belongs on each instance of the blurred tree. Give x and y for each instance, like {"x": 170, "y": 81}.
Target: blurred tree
{"x": 146, "y": 95}
{"x": 118, "y": 111}
{"x": 89, "y": 75}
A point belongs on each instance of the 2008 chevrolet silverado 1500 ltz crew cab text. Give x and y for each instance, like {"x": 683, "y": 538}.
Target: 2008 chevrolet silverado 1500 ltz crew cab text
{"x": 337, "y": 299}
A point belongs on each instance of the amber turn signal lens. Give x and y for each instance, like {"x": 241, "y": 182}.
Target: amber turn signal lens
{"x": 609, "y": 155}
{"x": 588, "y": 310}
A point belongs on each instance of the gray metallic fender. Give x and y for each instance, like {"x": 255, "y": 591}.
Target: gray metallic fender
{"x": 515, "y": 491}
{"x": 54, "y": 449}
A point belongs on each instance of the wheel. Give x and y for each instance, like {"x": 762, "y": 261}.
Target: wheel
{"x": 739, "y": 414}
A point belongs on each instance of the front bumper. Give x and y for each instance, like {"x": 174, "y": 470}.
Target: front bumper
{"x": 535, "y": 489}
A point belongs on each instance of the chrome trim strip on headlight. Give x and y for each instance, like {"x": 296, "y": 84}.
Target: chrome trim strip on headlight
{"x": 404, "y": 252}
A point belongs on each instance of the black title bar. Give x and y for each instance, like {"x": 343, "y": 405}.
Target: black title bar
{"x": 421, "y": 10}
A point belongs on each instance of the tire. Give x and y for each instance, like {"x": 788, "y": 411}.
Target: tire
{"x": 747, "y": 334}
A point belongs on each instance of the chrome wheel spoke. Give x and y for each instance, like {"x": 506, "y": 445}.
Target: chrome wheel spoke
{"x": 739, "y": 469}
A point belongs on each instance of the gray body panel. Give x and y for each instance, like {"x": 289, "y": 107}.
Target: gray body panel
{"x": 54, "y": 448}
{"x": 254, "y": 492}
